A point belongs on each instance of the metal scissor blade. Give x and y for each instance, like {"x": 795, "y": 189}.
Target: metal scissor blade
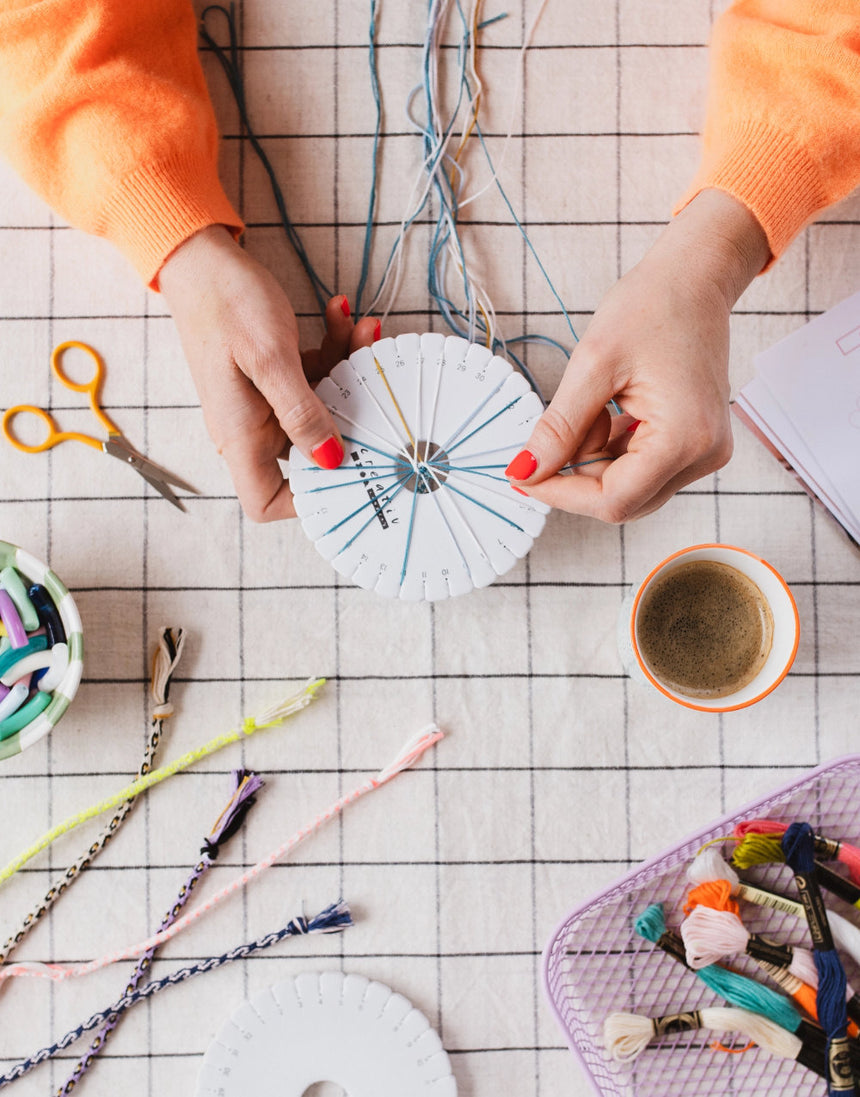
{"x": 155, "y": 475}
{"x": 164, "y": 490}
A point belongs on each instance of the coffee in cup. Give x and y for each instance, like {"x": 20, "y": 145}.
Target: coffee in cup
{"x": 713, "y": 627}
{"x": 704, "y": 629}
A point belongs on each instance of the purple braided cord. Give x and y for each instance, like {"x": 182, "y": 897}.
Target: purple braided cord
{"x": 241, "y": 799}
{"x": 86, "y": 1061}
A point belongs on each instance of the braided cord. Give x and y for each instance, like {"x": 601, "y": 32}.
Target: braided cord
{"x": 142, "y": 966}
{"x": 165, "y": 661}
{"x": 289, "y": 706}
{"x": 332, "y": 920}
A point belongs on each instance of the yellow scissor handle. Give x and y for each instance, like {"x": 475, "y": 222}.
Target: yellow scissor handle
{"x": 91, "y": 388}
{"x": 54, "y": 436}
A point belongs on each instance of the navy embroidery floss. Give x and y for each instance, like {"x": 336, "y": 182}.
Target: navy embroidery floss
{"x": 798, "y": 844}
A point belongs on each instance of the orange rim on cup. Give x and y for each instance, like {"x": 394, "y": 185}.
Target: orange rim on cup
{"x": 786, "y": 625}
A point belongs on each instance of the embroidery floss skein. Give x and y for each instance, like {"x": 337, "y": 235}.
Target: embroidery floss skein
{"x": 709, "y": 865}
{"x": 271, "y": 718}
{"x": 165, "y": 661}
{"x": 738, "y": 990}
{"x": 626, "y": 1035}
{"x": 713, "y": 932}
{"x": 334, "y": 919}
{"x": 829, "y": 849}
{"x": 762, "y": 849}
{"x": 799, "y": 847}
{"x": 245, "y": 785}
{"x": 409, "y": 754}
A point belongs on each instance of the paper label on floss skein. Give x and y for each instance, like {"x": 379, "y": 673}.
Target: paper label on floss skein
{"x": 816, "y": 912}
{"x": 677, "y": 1022}
{"x": 420, "y": 508}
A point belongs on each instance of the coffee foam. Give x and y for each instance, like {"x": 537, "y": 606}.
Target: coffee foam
{"x": 704, "y": 629}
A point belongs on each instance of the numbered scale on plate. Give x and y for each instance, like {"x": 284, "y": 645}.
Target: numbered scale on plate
{"x": 420, "y": 508}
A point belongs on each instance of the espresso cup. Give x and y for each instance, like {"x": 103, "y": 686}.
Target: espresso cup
{"x": 705, "y": 636}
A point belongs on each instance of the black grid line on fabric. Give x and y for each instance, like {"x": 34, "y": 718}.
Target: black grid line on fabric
{"x": 242, "y": 157}
{"x": 336, "y": 607}
{"x": 530, "y": 730}
{"x": 52, "y": 271}
{"x": 487, "y": 47}
{"x": 813, "y": 547}
{"x": 359, "y": 771}
{"x": 428, "y": 313}
{"x": 575, "y": 584}
{"x": 484, "y": 223}
{"x": 604, "y": 676}
{"x": 149, "y": 902}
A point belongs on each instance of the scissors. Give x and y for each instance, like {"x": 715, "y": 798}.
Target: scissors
{"x": 115, "y": 446}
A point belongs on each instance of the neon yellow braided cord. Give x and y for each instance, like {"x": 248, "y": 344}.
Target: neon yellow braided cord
{"x": 269, "y": 719}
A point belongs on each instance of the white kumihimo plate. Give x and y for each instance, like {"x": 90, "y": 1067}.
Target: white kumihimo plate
{"x": 420, "y": 508}
{"x": 327, "y": 1027}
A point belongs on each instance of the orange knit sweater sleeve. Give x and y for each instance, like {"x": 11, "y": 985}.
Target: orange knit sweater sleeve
{"x": 104, "y": 111}
{"x": 782, "y": 130}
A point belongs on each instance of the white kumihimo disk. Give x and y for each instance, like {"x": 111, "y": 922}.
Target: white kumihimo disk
{"x": 326, "y": 1027}
{"x": 420, "y": 508}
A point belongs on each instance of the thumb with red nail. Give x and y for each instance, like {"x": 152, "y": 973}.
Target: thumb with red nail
{"x": 240, "y": 336}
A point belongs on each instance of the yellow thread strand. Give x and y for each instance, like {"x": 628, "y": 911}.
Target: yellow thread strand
{"x": 381, "y": 373}
{"x": 230, "y": 803}
{"x": 293, "y": 704}
{"x": 476, "y": 101}
{"x": 489, "y": 340}
{"x": 715, "y": 841}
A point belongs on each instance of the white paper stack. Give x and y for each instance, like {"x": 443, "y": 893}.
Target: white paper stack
{"x": 804, "y": 404}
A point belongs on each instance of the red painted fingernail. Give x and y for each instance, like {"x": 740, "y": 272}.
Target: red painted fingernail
{"x": 329, "y": 454}
{"x": 633, "y": 426}
{"x": 377, "y": 331}
{"x": 344, "y": 307}
{"x": 522, "y": 466}
{"x": 519, "y": 491}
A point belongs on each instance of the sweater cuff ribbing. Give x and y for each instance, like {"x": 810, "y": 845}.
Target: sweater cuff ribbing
{"x": 159, "y": 206}
{"x": 766, "y": 171}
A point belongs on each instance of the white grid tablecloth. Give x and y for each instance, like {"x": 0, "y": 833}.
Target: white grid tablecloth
{"x": 557, "y": 773}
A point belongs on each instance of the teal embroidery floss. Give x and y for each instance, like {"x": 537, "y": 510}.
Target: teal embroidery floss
{"x": 734, "y": 988}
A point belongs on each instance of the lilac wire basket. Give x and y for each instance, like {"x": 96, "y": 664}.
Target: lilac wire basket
{"x": 596, "y": 963}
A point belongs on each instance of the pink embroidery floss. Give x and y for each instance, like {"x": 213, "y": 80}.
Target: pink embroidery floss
{"x": 408, "y": 755}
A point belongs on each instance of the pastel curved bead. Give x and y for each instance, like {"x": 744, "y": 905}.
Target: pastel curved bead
{"x": 13, "y": 700}
{"x": 12, "y": 582}
{"x": 12, "y": 620}
{"x": 29, "y": 664}
{"x": 59, "y": 665}
{"x": 17, "y": 652}
{"x": 25, "y": 715}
